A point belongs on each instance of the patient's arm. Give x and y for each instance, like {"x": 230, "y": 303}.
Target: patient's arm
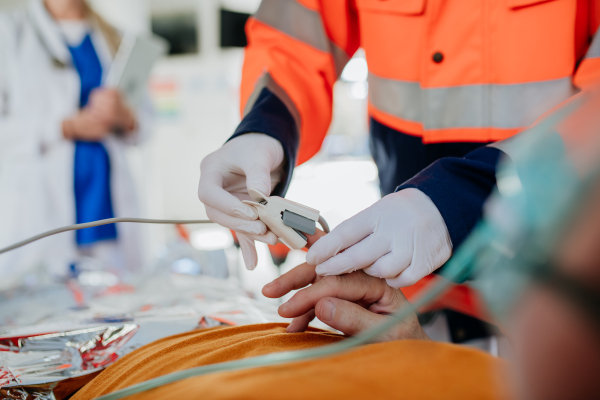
{"x": 349, "y": 303}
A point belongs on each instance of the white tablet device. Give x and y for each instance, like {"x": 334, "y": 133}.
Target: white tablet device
{"x": 133, "y": 62}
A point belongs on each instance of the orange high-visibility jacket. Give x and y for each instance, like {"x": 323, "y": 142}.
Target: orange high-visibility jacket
{"x": 443, "y": 70}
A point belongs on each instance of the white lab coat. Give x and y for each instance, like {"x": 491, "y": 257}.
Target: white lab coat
{"x": 39, "y": 88}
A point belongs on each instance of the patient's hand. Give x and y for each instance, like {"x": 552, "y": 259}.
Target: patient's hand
{"x": 349, "y": 303}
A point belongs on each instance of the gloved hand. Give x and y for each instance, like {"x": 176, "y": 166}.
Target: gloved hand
{"x": 252, "y": 160}
{"x": 401, "y": 238}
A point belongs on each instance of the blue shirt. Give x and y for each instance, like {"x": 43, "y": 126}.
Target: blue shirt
{"x": 92, "y": 163}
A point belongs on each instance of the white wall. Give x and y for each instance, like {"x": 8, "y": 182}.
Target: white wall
{"x": 7, "y": 5}
{"x": 128, "y": 15}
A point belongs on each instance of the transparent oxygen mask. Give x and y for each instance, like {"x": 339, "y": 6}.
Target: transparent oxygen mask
{"x": 547, "y": 174}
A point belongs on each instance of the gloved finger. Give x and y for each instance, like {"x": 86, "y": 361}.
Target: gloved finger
{"x": 300, "y": 324}
{"x": 432, "y": 250}
{"x": 357, "y": 287}
{"x": 212, "y": 194}
{"x": 361, "y": 255}
{"x": 297, "y": 278}
{"x": 251, "y": 228}
{"x": 423, "y": 262}
{"x": 343, "y": 236}
{"x": 258, "y": 177}
{"x": 408, "y": 277}
{"x": 237, "y": 224}
{"x": 345, "y": 316}
{"x": 248, "y": 251}
{"x": 390, "y": 265}
{"x": 311, "y": 239}
{"x": 268, "y": 238}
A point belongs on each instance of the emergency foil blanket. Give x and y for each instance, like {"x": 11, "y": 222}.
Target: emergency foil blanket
{"x": 54, "y": 365}
{"x": 50, "y": 347}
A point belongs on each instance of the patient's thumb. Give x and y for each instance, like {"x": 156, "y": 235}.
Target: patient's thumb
{"x": 347, "y": 317}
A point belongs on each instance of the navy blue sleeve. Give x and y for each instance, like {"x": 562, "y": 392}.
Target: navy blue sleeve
{"x": 270, "y": 116}
{"x": 459, "y": 187}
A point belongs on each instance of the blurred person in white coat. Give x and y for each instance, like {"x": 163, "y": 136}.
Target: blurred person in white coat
{"x": 62, "y": 141}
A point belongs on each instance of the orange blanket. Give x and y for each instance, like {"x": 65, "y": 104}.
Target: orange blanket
{"x": 400, "y": 369}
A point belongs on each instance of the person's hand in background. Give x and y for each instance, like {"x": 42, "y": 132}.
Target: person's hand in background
{"x": 350, "y": 303}
{"x": 106, "y": 112}
{"x": 109, "y": 106}
{"x": 401, "y": 238}
{"x": 86, "y": 127}
{"x": 249, "y": 161}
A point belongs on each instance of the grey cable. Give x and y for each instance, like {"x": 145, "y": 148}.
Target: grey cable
{"x": 323, "y": 224}
{"x": 92, "y": 224}
{"x": 102, "y": 222}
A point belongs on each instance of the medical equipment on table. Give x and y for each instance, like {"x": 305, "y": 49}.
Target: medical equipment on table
{"x": 160, "y": 305}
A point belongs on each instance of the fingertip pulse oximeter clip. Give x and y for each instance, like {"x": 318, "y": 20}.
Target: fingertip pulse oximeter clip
{"x": 288, "y": 220}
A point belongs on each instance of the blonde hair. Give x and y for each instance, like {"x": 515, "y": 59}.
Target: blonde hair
{"x": 110, "y": 34}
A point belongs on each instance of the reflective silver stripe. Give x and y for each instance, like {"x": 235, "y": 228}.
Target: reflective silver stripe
{"x": 594, "y": 50}
{"x": 468, "y": 106}
{"x": 294, "y": 19}
{"x": 398, "y": 98}
{"x": 340, "y": 58}
{"x": 266, "y": 81}
{"x": 303, "y": 24}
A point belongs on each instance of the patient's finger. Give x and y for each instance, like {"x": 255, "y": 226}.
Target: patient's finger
{"x": 352, "y": 287}
{"x": 352, "y": 319}
{"x": 346, "y": 316}
{"x": 301, "y": 323}
{"x": 297, "y": 278}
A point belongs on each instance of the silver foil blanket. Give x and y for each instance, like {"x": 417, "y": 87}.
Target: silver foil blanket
{"x": 32, "y": 366}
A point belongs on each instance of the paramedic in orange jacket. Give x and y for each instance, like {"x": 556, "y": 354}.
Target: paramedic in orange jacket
{"x": 445, "y": 77}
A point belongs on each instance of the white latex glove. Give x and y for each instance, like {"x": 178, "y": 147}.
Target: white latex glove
{"x": 252, "y": 160}
{"x": 401, "y": 238}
